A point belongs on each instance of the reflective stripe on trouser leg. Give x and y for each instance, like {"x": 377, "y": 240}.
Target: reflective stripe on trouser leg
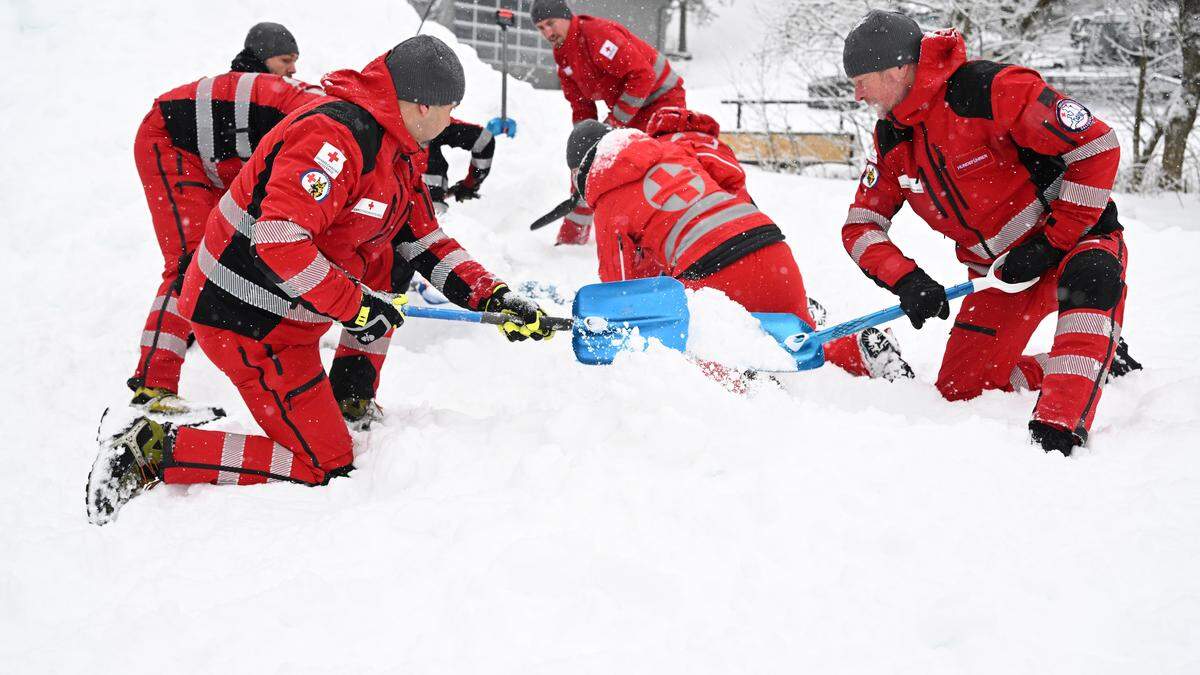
{"x": 576, "y": 226}
{"x": 286, "y": 391}
{"x": 1084, "y": 343}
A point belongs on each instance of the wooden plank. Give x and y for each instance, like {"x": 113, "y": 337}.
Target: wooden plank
{"x": 794, "y": 148}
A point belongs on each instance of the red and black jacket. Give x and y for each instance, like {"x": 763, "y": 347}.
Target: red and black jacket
{"x": 220, "y": 120}
{"x": 987, "y": 154}
{"x": 328, "y": 199}
{"x": 655, "y": 200}
{"x": 600, "y": 60}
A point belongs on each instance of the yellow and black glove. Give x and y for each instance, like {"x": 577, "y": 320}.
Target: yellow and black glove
{"x": 378, "y": 314}
{"x": 504, "y": 301}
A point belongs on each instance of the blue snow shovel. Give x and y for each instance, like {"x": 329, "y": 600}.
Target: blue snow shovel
{"x": 504, "y": 125}
{"x": 807, "y": 347}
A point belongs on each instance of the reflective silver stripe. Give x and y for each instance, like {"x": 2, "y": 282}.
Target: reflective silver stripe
{"x": 1093, "y": 147}
{"x": 379, "y": 346}
{"x": 704, "y": 204}
{"x": 981, "y": 270}
{"x": 710, "y": 223}
{"x": 481, "y": 162}
{"x": 667, "y": 85}
{"x": 580, "y": 218}
{"x": 166, "y": 341}
{"x": 205, "y": 142}
{"x": 233, "y": 455}
{"x": 278, "y": 232}
{"x": 633, "y": 101}
{"x": 1017, "y": 380}
{"x": 251, "y": 293}
{"x": 1043, "y": 361}
{"x": 1073, "y": 364}
{"x": 281, "y": 460}
{"x": 660, "y": 64}
{"x": 867, "y": 240}
{"x": 241, "y": 114}
{"x": 485, "y": 137}
{"x": 445, "y": 266}
{"x": 236, "y": 216}
{"x": 1054, "y": 189}
{"x": 622, "y": 116}
{"x": 433, "y": 180}
{"x": 860, "y": 215}
{"x": 1084, "y": 195}
{"x": 308, "y": 278}
{"x": 1091, "y": 323}
{"x": 1012, "y": 231}
{"x": 411, "y": 249}
{"x": 172, "y": 305}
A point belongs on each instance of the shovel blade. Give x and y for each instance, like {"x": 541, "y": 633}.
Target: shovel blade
{"x": 606, "y": 316}
{"x": 791, "y": 332}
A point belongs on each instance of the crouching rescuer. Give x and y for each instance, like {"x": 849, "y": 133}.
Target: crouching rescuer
{"x": 994, "y": 159}
{"x": 310, "y": 226}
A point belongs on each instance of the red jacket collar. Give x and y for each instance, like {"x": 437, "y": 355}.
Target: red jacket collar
{"x": 373, "y": 89}
{"x": 572, "y": 35}
{"x": 942, "y": 53}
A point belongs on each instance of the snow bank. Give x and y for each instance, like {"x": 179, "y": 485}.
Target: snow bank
{"x": 520, "y": 513}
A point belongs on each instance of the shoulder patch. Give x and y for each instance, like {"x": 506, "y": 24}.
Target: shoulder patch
{"x": 969, "y": 89}
{"x": 608, "y": 50}
{"x": 315, "y": 183}
{"x": 870, "y": 175}
{"x": 888, "y": 136}
{"x": 1072, "y": 115}
{"x": 368, "y": 133}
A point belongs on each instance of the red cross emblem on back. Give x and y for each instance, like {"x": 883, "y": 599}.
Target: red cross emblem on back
{"x": 672, "y": 187}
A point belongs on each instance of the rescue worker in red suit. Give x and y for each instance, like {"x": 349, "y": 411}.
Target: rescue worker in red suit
{"x": 356, "y": 367}
{"x": 659, "y": 211}
{"x": 601, "y": 60}
{"x": 301, "y": 239}
{"x": 999, "y": 162}
{"x": 189, "y": 147}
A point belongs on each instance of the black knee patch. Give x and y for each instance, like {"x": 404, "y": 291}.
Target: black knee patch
{"x": 1090, "y": 279}
{"x": 352, "y": 377}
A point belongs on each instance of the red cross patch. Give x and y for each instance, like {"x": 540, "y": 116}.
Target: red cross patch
{"x": 672, "y": 187}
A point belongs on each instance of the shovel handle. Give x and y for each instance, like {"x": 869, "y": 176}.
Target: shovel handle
{"x": 490, "y": 318}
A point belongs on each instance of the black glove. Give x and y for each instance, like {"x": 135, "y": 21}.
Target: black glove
{"x": 505, "y": 301}
{"x": 377, "y": 315}
{"x": 921, "y": 297}
{"x": 1030, "y": 259}
{"x": 463, "y": 192}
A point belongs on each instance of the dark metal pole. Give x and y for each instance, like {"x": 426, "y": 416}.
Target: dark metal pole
{"x": 504, "y": 72}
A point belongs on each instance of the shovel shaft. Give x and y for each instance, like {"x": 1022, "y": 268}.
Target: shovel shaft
{"x": 490, "y": 318}
{"x": 882, "y": 316}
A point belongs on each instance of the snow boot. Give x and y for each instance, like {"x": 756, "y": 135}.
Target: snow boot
{"x": 360, "y": 413}
{"x": 128, "y": 464}
{"x": 817, "y": 311}
{"x": 164, "y": 405}
{"x": 881, "y": 354}
{"x": 1122, "y": 363}
{"x": 1052, "y": 438}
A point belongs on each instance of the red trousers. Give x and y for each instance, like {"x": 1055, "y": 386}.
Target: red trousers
{"x": 768, "y": 280}
{"x": 287, "y": 392}
{"x": 180, "y": 197}
{"x": 992, "y": 328}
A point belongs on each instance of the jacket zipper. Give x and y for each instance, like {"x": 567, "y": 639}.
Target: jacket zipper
{"x": 930, "y": 191}
{"x": 950, "y": 195}
{"x": 950, "y": 179}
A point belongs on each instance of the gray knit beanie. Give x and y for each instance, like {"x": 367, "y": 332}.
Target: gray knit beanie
{"x": 880, "y": 41}
{"x": 549, "y": 9}
{"x": 584, "y": 137}
{"x": 268, "y": 39}
{"x": 425, "y": 70}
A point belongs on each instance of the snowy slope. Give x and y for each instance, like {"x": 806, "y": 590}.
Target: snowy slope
{"x": 520, "y": 513}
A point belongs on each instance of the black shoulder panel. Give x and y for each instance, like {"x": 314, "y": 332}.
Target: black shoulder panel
{"x": 366, "y": 131}
{"x": 969, "y": 89}
{"x": 889, "y": 135}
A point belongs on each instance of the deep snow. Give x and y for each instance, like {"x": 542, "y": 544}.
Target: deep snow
{"x": 521, "y": 513}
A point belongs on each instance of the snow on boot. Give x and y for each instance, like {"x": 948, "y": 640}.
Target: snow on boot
{"x": 1122, "y": 362}
{"x": 817, "y": 312}
{"x": 164, "y": 405}
{"x": 126, "y": 465}
{"x": 360, "y": 413}
{"x": 1052, "y": 438}
{"x": 881, "y": 354}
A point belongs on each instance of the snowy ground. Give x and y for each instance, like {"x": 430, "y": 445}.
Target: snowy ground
{"x": 520, "y": 513}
